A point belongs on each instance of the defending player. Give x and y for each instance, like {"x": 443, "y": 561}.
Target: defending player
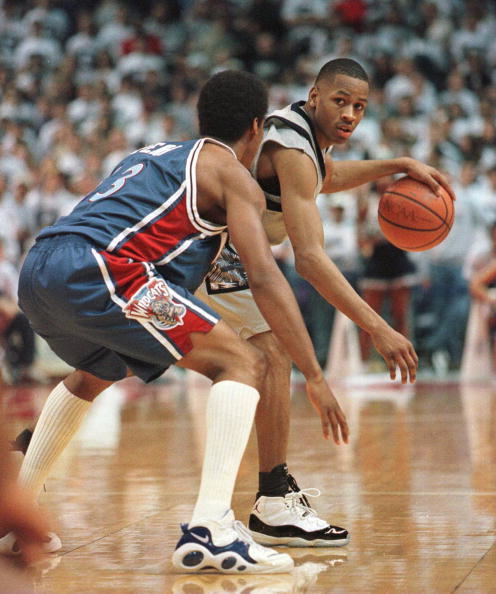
{"x": 90, "y": 286}
{"x": 293, "y": 167}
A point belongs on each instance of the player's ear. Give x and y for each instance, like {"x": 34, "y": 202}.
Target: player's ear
{"x": 312, "y": 96}
{"x": 256, "y": 125}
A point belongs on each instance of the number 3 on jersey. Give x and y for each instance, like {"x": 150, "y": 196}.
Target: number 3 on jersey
{"x": 156, "y": 150}
{"x": 118, "y": 183}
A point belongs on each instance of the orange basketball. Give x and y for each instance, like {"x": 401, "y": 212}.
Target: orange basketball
{"x": 412, "y": 217}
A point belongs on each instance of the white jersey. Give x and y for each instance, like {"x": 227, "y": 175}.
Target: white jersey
{"x": 226, "y": 288}
{"x": 290, "y": 127}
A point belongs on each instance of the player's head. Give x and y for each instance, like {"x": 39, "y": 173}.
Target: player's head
{"x": 337, "y": 100}
{"x": 228, "y": 104}
{"x": 344, "y": 66}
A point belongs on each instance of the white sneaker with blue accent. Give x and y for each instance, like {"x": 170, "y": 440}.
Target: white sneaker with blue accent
{"x": 225, "y": 546}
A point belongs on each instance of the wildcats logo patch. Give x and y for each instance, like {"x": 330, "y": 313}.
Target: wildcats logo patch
{"x": 154, "y": 303}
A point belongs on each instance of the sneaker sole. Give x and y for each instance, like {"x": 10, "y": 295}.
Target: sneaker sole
{"x": 295, "y": 541}
{"x": 193, "y": 558}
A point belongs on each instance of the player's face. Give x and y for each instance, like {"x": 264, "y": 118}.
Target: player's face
{"x": 338, "y": 106}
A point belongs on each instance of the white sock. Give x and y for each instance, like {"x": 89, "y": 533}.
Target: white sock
{"x": 230, "y": 413}
{"x": 60, "y": 418}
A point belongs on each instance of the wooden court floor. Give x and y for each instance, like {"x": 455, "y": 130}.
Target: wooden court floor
{"x": 416, "y": 488}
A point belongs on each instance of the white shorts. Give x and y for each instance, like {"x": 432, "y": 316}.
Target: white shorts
{"x": 238, "y": 309}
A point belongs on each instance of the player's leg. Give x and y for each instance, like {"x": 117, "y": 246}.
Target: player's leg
{"x": 239, "y": 310}
{"x": 273, "y": 411}
{"x": 213, "y": 537}
{"x": 62, "y": 415}
{"x": 281, "y": 513}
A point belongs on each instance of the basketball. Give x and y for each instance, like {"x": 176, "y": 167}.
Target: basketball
{"x": 412, "y": 217}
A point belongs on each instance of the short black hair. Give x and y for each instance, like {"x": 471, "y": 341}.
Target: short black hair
{"x": 229, "y": 102}
{"x": 345, "y": 66}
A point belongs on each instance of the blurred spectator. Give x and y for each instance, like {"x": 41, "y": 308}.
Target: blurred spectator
{"x": 16, "y": 335}
{"x": 267, "y": 59}
{"x": 82, "y": 44}
{"x": 84, "y": 105}
{"x": 114, "y": 29}
{"x": 38, "y": 42}
{"x": 55, "y": 20}
{"x": 163, "y": 20}
{"x": 448, "y": 295}
{"x": 473, "y": 35}
{"x": 481, "y": 274}
{"x": 457, "y": 93}
{"x": 49, "y": 198}
{"x": 306, "y": 21}
{"x": 127, "y": 103}
{"x": 139, "y": 58}
{"x": 401, "y": 83}
{"x": 487, "y": 194}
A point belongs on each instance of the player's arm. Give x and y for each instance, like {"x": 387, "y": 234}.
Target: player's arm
{"x": 244, "y": 206}
{"x": 297, "y": 179}
{"x": 479, "y": 284}
{"x": 344, "y": 175}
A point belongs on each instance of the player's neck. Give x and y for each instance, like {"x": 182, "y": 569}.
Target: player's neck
{"x": 322, "y": 141}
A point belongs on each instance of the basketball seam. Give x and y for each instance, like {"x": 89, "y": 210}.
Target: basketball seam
{"x": 418, "y": 248}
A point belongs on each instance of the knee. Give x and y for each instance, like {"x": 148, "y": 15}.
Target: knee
{"x": 276, "y": 355}
{"x": 85, "y": 385}
{"x": 256, "y": 363}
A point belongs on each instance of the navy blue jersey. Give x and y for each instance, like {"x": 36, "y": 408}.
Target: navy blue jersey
{"x": 146, "y": 211}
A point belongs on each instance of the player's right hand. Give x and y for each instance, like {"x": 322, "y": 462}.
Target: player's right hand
{"x": 397, "y": 351}
{"x": 332, "y": 417}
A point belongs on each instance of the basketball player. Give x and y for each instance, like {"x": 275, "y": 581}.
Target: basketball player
{"x": 90, "y": 286}
{"x": 293, "y": 166}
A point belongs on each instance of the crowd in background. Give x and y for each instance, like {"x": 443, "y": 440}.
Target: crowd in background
{"x": 83, "y": 84}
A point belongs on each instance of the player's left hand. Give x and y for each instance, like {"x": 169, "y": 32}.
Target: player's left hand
{"x": 428, "y": 175}
{"x": 397, "y": 351}
{"x": 332, "y": 417}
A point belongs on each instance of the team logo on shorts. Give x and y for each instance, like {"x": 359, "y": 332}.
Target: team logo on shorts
{"x": 154, "y": 303}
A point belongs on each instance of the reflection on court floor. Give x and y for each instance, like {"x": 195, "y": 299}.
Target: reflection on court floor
{"x": 416, "y": 488}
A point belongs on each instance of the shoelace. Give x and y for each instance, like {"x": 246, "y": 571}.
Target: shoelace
{"x": 298, "y": 502}
{"x": 293, "y": 485}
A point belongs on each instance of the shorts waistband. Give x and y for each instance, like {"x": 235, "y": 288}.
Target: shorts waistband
{"x": 69, "y": 239}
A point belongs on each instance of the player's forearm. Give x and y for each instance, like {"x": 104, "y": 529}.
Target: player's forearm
{"x": 327, "y": 279}
{"x": 345, "y": 175}
{"x": 279, "y": 307}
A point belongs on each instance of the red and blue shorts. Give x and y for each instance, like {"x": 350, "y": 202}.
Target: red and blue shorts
{"x": 105, "y": 314}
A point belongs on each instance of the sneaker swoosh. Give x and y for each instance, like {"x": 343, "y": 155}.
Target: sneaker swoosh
{"x": 204, "y": 539}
